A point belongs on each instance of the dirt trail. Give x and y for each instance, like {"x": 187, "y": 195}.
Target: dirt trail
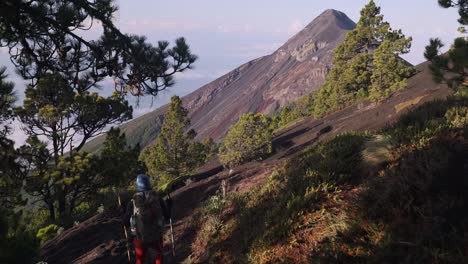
{"x": 98, "y": 240}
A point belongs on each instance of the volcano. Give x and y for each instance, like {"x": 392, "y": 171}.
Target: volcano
{"x": 262, "y": 85}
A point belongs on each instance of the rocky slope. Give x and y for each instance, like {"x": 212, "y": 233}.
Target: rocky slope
{"x": 261, "y": 85}
{"x": 265, "y": 84}
{"x": 99, "y": 239}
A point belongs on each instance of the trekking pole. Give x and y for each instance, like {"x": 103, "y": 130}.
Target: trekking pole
{"x": 169, "y": 200}
{"x": 126, "y": 235}
{"x": 172, "y": 237}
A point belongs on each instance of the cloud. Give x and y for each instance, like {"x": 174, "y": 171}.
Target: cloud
{"x": 245, "y": 28}
{"x": 148, "y": 25}
{"x": 145, "y": 25}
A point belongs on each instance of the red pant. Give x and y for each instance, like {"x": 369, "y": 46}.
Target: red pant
{"x": 141, "y": 250}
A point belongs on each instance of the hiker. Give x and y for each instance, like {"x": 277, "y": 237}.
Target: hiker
{"x": 145, "y": 216}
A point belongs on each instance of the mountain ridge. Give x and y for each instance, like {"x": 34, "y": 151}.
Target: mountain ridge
{"x": 263, "y": 85}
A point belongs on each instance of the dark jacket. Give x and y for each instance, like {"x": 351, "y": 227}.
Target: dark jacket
{"x": 166, "y": 206}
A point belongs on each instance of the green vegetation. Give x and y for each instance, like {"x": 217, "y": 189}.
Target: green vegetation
{"x": 45, "y": 36}
{"x": 265, "y": 215}
{"x": 87, "y": 180}
{"x": 396, "y": 195}
{"x": 46, "y": 233}
{"x": 175, "y": 154}
{"x": 415, "y": 210}
{"x": 293, "y": 112}
{"x": 50, "y": 181}
{"x": 142, "y": 130}
{"x": 366, "y": 64}
{"x": 248, "y": 139}
{"x": 7, "y": 99}
{"x": 9, "y": 170}
{"x": 211, "y": 148}
{"x": 54, "y": 110}
{"x": 117, "y": 161}
{"x": 462, "y": 6}
{"x": 450, "y": 67}
{"x": 211, "y": 220}
{"x": 17, "y": 244}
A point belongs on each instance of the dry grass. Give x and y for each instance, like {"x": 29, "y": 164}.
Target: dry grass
{"x": 402, "y": 106}
{"x": 309, "y": 230}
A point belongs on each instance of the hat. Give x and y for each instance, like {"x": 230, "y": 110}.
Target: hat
{"x": 143, "y": 183}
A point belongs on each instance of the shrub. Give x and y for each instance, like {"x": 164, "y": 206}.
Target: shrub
{"x": 246, "y": 140}
{"x": 294, "y": 111}
{"x": 214, "y": 205}
{"x": 457, "y": 116}
{"x": 47, "y": 233}
{"x": 267, "y": 215}
{"x": 409, "y": 207}
{"x": 415, "y": 212}
{"x": 210, "y": 224}
{"x": 16, "y": 244}
{"x": 19, "y": 247}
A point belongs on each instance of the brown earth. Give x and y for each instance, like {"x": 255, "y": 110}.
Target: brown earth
{"x": 99, "y": 239}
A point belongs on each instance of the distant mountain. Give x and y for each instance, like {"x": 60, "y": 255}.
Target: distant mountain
{"x": 261, "y": 85}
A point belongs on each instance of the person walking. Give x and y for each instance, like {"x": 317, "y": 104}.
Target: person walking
{"x": 144, "y": 217}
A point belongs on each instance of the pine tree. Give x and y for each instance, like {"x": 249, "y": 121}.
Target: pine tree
{"x": 66, "y": 118}
{"x": 44, "y": 36}
{"x": 118, "y": 163}
{"x": 390, "y": 70}
{"x": 462, "y": 6}
{"x": 359, "y": 61}
{"x": 10, "y": 176}
{"x": 248, "y": 139}
{"x": 7, "y": 99}
{"x": 451, "y": 67}
{"x": 174, "y": 153}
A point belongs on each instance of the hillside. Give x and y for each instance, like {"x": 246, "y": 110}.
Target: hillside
{"x": 262, "y": 85}
{"x": 98, "y": 240}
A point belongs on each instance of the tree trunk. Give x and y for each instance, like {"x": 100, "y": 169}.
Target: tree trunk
{"x": 61, "y": 200}
{"x": 51, "y": 212}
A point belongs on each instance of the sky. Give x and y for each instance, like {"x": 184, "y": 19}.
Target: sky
{"x": 225, "y": 34}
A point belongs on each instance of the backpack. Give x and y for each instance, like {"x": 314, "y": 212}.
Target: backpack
{"x": 148, "y": 219}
